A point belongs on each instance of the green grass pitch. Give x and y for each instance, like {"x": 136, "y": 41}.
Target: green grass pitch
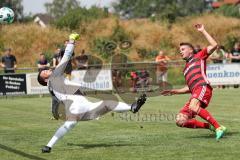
{"x": 25, "y": 126}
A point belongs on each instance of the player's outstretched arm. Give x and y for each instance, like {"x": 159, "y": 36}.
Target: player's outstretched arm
{"x": 211, "y": 40}
{"x": 69, "y": 48}
{"x": 60, "y": 68}
{"x": 183, "y": 90}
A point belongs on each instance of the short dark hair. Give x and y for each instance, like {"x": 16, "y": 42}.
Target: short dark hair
{"x": 40, "y": 79}
{"x": 187, "y": 44}
{"x": 7, "y": 49}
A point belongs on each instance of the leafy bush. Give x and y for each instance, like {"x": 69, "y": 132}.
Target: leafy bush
{"x": 48, "y": 55}
{"x": 119, "y": 34}
{"x": 107, "y": 46}
{"x": 75, "y": 18}
{"x": 229, "y": 10}
{"x": 159, "y": 9}
{"x": 142, "y": 52}
{"x": 230, "y": 41}
{"x": 166, "y": 44}
{"x": 146, "y": 53}
{"x": 102, "y": 47}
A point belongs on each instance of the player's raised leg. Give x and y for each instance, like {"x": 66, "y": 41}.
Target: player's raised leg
{"x": 134, "y": 107}
{"x": 101, "y": 108}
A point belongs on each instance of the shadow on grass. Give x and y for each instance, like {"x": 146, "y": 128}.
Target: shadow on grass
{"x": 228, "y": 134}
{"x": 87, "y": 146}
{"x": 20, "y": 153}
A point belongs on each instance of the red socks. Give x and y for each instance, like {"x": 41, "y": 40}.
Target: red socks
{"x": 203, "y": 113}
{"x": 193, "y": 123}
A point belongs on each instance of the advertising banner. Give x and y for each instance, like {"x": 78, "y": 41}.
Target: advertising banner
{"x": 223, "y": 74}
{"x": 13, "y": 84}
{"x": 93, "y": 79}
{"x": 33, "y": 87}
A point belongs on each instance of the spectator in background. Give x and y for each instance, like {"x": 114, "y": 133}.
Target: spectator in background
{"x": 42, "y": 62}
{"x": 119, "y": 69}
{"x": 140, "y": 79}
{"x": 197, "y": 48}
{"x": 56, "y": 57}
{"x": 134, "y": 79}
{"x": 219, "y": 55}
{"x": 235, "y": 53}
{"x": 144, "y": 79}
{"x": 235, "y": 56}
{"x": 82, "y": 61}
{"x": 117, "y": 79}
{"x": 9, "y": 62}
{"x": 162, "y": 68}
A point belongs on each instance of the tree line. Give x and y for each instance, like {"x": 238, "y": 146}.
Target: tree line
{"x": 68, "y": 13}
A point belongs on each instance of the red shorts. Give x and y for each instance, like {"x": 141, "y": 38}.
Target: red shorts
{"x": 203, "y": 94}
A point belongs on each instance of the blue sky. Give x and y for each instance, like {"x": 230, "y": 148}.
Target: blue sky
{"x": 37, "y": 6}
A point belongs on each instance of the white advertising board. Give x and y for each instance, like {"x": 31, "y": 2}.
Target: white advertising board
{"x": 223, "y": 74}
{"x": 33, "y": 87}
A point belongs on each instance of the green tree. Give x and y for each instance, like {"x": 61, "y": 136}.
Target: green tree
{"x": 59, "y": 8}
{"x": 229, "y": 10}
{"x": 161, "y": 9}
{"x": 74, "y": 18}
{"x": 15, "y": 5}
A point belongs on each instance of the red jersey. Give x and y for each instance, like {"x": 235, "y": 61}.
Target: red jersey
{"x": 195, "y": 70}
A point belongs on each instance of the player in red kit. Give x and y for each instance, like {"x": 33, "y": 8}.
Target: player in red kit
{"x": 198, "y": 86}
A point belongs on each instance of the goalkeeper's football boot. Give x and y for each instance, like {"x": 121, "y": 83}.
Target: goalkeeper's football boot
{"x": 138, "y": 104}
{"x": 46, "y": 149}
{"x": 220, "y": 132}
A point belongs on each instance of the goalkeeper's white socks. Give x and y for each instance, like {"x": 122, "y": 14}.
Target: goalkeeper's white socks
{"x": 107, "y": 105}
{"x": 122, "y": 107}
{"x": 66, "y": 127}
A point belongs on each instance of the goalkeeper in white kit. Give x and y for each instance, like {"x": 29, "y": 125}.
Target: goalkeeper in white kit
{"x": 77, "y": 106}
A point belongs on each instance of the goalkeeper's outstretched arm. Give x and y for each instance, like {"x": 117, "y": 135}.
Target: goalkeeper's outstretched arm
{"x": 67, "y": 54}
